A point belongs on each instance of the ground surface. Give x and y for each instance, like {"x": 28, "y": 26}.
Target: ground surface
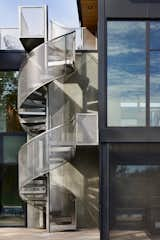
{"x": 35, "y": 234}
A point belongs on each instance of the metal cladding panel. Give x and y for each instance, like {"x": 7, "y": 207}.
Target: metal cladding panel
{"x": 11, "y": 60}
{"x": 125, "y": 9}
{"x": 154, "y": 9}
{"x": 87, "y": 129}
{"x": 133, "y": 9}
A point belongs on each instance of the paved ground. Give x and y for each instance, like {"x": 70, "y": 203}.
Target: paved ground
{"x": 129, "y": 235}
{"x": 35, "y": 234}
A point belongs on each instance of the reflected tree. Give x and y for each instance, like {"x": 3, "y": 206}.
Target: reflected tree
{"x": 8, "y": 102}
{"x": 121, "y": 170}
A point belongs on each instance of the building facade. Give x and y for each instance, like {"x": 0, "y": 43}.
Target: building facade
{"x": 12, "y": 136}
{"x": 129, "y": 115}
{"x": 55, "y": 70}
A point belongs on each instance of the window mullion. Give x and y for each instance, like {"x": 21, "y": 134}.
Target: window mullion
{"x": 147, "y": 73}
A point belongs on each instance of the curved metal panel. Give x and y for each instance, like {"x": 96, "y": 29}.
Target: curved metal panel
{"x": 45, "y": 64}
{"x": 49, "y": 150}
{"x": 51, "y": 70}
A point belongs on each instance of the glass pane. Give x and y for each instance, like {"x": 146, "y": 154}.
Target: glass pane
{"x": 154, "y": 35}
{"x": 11, "y": 146}
{"x": 135, "y": 209}
{"x": 134, "y": 189}
{"x": 9, "y": 121}
{"x": 11, "y": 206}
{"x": 155, "y": 88}
{"x": 126, "y": 73}
{"x": 2, "y": 118}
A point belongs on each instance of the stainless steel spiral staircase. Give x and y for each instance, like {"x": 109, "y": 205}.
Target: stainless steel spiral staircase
{"x": 54, "y": 104}
{"x": 47, "y": 148}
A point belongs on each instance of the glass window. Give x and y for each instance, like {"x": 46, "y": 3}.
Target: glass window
{"x": 154, "y": 35}
{"x": 11, "y": 206}
{"x": 9, "y": 120}
{"x": 131, "y": 208}
{"x": 11, "y": 146}
{"x": 134, "y": 191}
{"x": 155, "y": 88}
{"x": 126, "y": 73}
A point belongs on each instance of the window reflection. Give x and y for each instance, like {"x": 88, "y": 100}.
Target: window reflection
{"x": 11, "y": 146}
{"x": 155, "y": 88}
{"x": 135, "y": 170}
{"x": 154, "y": 74}
{"x": 126, "y": 73}
{"x": 8, "y": 101}
{"x": 154, "y": 35}
{"x": 11, "y": 206}
{"x": 135, "y": 193}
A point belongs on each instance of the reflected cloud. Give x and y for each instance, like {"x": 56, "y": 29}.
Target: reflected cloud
{"x": 121, "y": 27}
{"x": 120, "y": 35}
{"x": 125, "y": 84}
{"x": 126, "y": 73}
{"x": 117, "y": 49}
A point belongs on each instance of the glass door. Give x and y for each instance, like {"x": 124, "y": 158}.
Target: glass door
{"x": 135, "y": 197}
{"x": 11, "y": 206}
{"x": 12, "y": 209}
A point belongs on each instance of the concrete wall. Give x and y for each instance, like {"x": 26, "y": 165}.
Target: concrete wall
{"x": 79, "y": 177}
{"x": 35, "y": 217}
{"x": 87, "y": 163}
{"x": 75, "y": 93}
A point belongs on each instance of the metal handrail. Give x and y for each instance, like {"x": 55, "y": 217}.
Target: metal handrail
{"x": 43, "y": 133}
{"x": 40, "y": 67}
{"x": 32, "y": 149}
{"x": 82, "y": 42}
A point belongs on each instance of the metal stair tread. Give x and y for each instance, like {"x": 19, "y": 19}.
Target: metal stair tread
{"x": 92, "y": 189}
{"x": 33, "y": 117}
{"x": 32, "y": 113}
{"x": 60, "y": 149}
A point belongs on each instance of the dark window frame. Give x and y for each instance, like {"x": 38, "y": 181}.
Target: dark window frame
{"x": 141, "y": 135}
{"x": 147, "y": 70}
{"x": 147, "y": 84}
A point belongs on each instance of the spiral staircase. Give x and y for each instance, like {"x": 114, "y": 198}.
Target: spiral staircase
{"x": 47, "y": 148}
{"x": 51, "y": 123}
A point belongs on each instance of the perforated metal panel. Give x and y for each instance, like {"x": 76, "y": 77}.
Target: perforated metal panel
{"x": 33, "y": 21}
{"x": 9, "y": 39}
{"x": 87, "y": 129}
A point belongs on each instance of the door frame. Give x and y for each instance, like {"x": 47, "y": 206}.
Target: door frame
{"x": 105, "y": 184}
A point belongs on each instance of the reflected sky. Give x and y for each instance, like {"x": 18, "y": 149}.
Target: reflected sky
{"x": 126, "y": 69}
{"x": 154, "y": 35}
{"x": 155, "y": 75}
{"x": 126, "y": 73}
{"x": 126, "y": 59}
{"x": 125, "y": 170}
{"x": 155, "y": 88}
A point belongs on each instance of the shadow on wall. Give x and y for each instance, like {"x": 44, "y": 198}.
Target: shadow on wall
{"x": 76, "y": 93}
{"x": 81, "y": 178}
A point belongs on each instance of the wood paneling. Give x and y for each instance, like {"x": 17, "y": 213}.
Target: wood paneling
{"x": 88, "y": 12}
